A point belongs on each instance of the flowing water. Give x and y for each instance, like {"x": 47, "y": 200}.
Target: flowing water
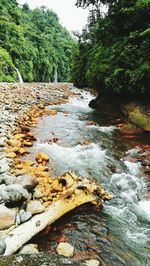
{"x": 119, "y": 234}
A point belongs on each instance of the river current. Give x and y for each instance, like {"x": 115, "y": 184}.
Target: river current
{"x": 118, "y": 234}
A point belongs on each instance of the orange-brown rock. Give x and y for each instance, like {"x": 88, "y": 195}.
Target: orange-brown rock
{"x": 51, "y": 112}
{"x": 41, "y": 156}
{"x": 14, "y": 142}
{"x": 11, "y": 155}
{"x": 27, "y": 143}
{"x": 91, "y": 123}
{"x": 21, "y": 151}
{"x": 84, "y": 142}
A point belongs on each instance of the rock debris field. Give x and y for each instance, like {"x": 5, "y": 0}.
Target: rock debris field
{"x": 20, "y": 105}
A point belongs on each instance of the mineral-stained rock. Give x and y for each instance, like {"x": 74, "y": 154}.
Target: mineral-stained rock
{"x": 14, "y": 142}
{"x": 11, "y": 155}
{"x": 40, "y": 157}
{"x": 65, "y": 249}
{"x": 137, "y": 115}
{"x": 130, "y": 129}
{"x": 34, "y": 207}
{"x": 7, "y": 217}
{"x": 27, "y": 182}
{"x": 51, "y": 112}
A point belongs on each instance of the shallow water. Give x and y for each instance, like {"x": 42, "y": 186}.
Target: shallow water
{"x": 119, "y": 234}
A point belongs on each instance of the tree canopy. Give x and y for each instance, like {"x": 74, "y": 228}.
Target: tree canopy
{"x": 114, "y": 49}
{"x": 34, "y": 42}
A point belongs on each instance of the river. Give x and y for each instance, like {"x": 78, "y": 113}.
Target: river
{"x": 119, "y": 234}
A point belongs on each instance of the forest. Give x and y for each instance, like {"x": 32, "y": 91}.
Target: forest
{"x": 113, "y": 55}
{"x": 34, "y": 42}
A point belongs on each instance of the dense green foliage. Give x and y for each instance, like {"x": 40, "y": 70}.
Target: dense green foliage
{"x": 34, "y": 42}
{"x": 114, "y": 49}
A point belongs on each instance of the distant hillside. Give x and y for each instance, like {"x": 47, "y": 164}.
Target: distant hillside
{"x": 34, "y": 42}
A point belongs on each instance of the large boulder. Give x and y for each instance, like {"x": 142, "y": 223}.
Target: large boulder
{"x": 138, "y": 115}
{"x": 7, "y": 217}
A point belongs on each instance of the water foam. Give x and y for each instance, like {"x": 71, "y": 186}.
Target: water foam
{"x": 85, "y": 160}
{"x": 144, "y": 208}
{"x": 107, "y": 130}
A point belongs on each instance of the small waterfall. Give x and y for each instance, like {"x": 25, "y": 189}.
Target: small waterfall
{"x": 19, "y": 76}
{"x": 56, "y": 76}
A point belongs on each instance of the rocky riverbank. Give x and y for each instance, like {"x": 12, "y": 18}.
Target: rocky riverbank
{"x": 20, "y": 105}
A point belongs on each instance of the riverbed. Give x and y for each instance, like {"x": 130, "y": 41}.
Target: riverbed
{"x": 88, "y": 142}
{"x": 119, "y": 234}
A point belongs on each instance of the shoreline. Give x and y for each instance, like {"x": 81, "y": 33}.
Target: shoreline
{"x": 20, "y": 106}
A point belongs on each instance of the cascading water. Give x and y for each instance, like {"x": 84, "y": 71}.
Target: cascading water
{"x": 20, "y": 79}
{"x": 56, "y": 77}
{"x": 120, "y": 233}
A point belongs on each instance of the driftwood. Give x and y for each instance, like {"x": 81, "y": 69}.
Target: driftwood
{"x": 78, "y": 191}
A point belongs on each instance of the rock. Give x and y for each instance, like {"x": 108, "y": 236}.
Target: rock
{"x": 27, "y": 182}
{"x": 51, "y": 112}
{"x": 84, "y": 142}
{"x": 4, "y": 165}
{"x": 7, "y": 179}
{"x": 40, "y": 157}
{"x": 92, "y": 262}
{"x": 7, "y": 217}
{"x": 2, "y": 247}
{"x": 91, "y": 123}
{"x": 24, "y": 216}
{"x": 34, "y": 207}
{"x": 13, "y": 193}
{"x": 27, "y": 143}
{"x": 130, "y": 129}
{"x": 138, "y": 116}
{"x": 65, "y": 249}
{"x": 37, "y": 194}
{"x": 21, "y": 151}
{"x": 2, "y": 141}
{"x": 14, "y": 143}
{"x": 11, "y": 155}
{"x": 19, "y": 136}
{"x": 29, "y": 249}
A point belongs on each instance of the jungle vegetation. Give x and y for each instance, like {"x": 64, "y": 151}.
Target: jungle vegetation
{"x": 34, "y": 42}
{"x": 113, "y": 52}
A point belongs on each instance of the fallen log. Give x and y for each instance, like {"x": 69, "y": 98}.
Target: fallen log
{"x": 78, "y": 191}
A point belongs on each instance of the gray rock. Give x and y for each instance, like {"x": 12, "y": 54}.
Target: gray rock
{"x": 24, "y": 216}
{"x": 4, "y": 166}
{"x": 13, "y": 193}
{"x": 7, "y": 179}
{"x": 2, "y": 141}
{"x": 7, "y": 217}
{"x": 27, "y": 182}
{"x": 2, "y": 247}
